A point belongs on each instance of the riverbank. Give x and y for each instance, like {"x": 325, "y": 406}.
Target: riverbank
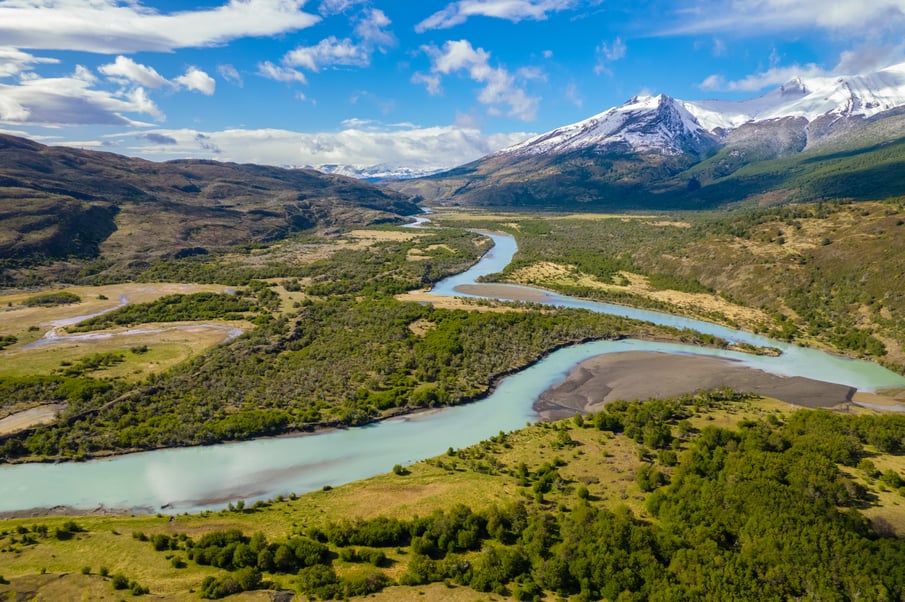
{"x": 643, "y": 375}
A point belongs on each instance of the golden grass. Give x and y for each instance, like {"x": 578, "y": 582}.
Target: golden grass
{"x": 422, "y": 296}
{"x": 553, "y": 275}
{"x": 168, "y": 344}
{"x": 15, "y": 319}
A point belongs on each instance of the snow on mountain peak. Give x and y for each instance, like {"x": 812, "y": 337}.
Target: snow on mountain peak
{"x": 663, "y": 124}
{"x": 643, "y": 123}
{"x": 861, "y": 95}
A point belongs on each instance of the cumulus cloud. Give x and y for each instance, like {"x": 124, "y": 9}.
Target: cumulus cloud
{"x": 328, "y": 52}
{"x": 371, "y": 29}
{"x": 457, "y": 13}
{"x": 332, "y": 51}
{"x": 758, "y": 16}
{"x": 360, "y": 144}
{"x": 113, "y": 27}
{"x": 197, "y": 80}
{"x": 125, "y": 69}
{"x": 430, "y": 81}
{"x": 609, "y": 53}
{"x": 335, "y": 7}
{"x": 500, "y": 86}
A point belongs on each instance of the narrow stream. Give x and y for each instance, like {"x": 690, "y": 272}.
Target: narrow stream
{"x": 200, "y": 478}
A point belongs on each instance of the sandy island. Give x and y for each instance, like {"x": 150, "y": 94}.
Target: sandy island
{"x": 644, "y": 375}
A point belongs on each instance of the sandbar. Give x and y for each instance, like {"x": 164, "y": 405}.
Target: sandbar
{"x": 644, "y": 375}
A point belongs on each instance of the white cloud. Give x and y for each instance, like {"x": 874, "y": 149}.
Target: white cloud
{"x": 372, "y": 36}
{"x": 335, "y": 7}
{"x": 370, "y": 29}
{"x": 758, "y": 16}
{"x": 457, "y": 13}
{"x": 112, "y": 27}
{"x": 430, "y": 81}
{"x": 143, "y": 104}
{"x": 609, "y": 53}
{"x": 198, "y": 80}
{"x": 500, "y": 86}
{"x": 280, "y": 74}
{"x": 763, "y": 79}
{"x": 328, "y": 52}
{"x": 72, "y": 100}
{"x": 230, "y": 74}
{"x": 869, "y": 58}
{"x": 124, "y": 68}
{"x": 13, "y": 61}
{"x": 360, "y": 144}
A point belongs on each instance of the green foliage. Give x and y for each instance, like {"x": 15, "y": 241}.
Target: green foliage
{"x": 95, "y": 361}
{"x": 273, "y": 379}
{"x": 172, "y": 308}
{"x": 6, "y": 340}
{"x": 52, "y": 299}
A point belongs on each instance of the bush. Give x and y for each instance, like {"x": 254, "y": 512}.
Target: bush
{"x": 120, "y": 581}
{"x": 50, "y": 299}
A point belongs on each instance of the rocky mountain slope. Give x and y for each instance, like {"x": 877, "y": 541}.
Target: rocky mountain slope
{"x": 61, "y": 203}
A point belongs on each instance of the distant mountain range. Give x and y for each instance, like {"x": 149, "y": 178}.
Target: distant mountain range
{"x": 59, "y": 203}
{"x": 810, "y": 138}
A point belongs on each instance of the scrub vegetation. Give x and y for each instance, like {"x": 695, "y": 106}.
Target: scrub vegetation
{"x": 822, "y": 273}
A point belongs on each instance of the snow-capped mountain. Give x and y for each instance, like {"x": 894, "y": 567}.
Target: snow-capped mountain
{"x": 644, "y": 123}
{"x": 374, "y": 172}
{"x": 840, "y": 136}
{"x": 670, "y": 126}
{"x": 842, "y": 96}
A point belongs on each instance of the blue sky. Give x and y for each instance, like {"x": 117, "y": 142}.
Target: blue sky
{"x": 407, "y": 83}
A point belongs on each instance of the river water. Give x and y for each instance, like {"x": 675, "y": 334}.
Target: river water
{"x": 200, "y": 478}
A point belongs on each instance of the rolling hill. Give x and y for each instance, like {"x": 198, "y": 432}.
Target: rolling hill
{"x": 65, "y": 204}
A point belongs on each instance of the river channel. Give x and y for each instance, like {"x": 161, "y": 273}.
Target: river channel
{"x": 200, "y": 478}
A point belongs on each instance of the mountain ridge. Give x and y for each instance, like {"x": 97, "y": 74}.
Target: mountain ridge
{"x": 70, "y": 205}
{"x": 658, "y": 152}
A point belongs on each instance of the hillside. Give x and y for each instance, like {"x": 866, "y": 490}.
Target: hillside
{"x": 64, "y": 204}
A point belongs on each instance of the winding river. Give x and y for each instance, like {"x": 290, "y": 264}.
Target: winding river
{"x": 200, "y": 478}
